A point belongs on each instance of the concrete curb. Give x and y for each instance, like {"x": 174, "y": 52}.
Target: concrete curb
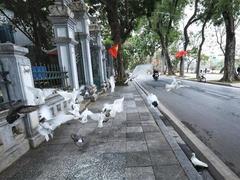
{"x": 215, "y": 83}
{"x": 216, "y": 166}
{"x": 188, "y": 168}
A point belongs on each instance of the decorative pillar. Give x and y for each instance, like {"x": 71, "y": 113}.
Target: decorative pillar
{"x": 96, "y": 54}
{"x": 20, "y": 76}
{"x": 104, "y": 63}
{"x": 61, "y": 17}
{"x": 83, "y": 36}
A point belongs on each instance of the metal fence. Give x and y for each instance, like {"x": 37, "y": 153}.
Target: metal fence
{"x": 49, "y": 76}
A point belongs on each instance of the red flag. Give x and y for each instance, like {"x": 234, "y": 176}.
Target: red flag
{"x": 113, "y": 50}
{"x": 180, "y": 54}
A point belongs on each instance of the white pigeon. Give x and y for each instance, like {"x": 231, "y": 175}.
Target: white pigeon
{"x": 152, "y": 100}
{"x": 48, "y": 123}
{"x": 175, "y": 84}
{"x": 72, "y": 96}
{"x": 99, "y": 117}
{"x": 45, "y": 113}
{"x": 41, "y": 94}
{"x": 44, "y": 132}
{"x": 84, "y": 115}
{"x": 74, "y": 110}
{"x": 112, "y": 83}
{"x": 197, "y": 162}
{"x": 114, "y": 108}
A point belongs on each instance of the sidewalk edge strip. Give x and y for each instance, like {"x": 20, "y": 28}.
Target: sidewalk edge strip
{"x": 216, "y": 166}
{"x": 188, "y": 168}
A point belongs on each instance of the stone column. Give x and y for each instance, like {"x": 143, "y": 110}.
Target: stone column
{"x": 104, "y": 63}
{"x": 20, "y": 75}
{"x": 63, "y": 24}
{"x": 96, "y": 50}
{"x": 82, "y": 33}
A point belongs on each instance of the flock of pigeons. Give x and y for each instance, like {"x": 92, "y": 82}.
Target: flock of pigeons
{"x": 48, "y": 123}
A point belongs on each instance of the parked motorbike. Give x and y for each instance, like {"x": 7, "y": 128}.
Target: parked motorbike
{"x": 202, "y": 78}
{"x": 155, "y": 75}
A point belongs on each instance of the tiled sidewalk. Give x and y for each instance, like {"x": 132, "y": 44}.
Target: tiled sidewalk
{"x": 131, "y": 146}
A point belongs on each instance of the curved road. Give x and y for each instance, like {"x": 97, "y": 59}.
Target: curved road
{"x": 212, "y": 112}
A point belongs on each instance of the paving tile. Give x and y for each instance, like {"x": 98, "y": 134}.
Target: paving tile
{"x": 140, "y": 173}
{"x": 154, "y": 135}
{"x": 131, "y": 110}
{"x": 133, "y": 146}
{"x": 132, "y": 116}
{"x": 155, "y": 146}
{"x": 117, "y": 146}
{"x": 134, "y": 129}
{"x": 171, "y": 172}
{"x": 135, "y": 159}
{"x": 133, "y": 123}
{"x": 166, "y": 157}
{"x": 150, "y": 128}
{"x": 138, "y": 136}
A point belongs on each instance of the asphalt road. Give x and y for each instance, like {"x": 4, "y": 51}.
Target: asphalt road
{"x": 212, "y": 112}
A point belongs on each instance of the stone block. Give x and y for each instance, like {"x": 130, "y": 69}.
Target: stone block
{"x": 135, "y": 159}
{"x": 136, "y": 146}
{"x": 136, "y": 129}
{"x": 138, "y": 136}
{"x": 171, "y": 172}
{"x": 140, "y": 173}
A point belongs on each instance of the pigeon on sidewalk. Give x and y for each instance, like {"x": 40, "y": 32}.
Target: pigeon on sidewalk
{"x": 77, "y": 139}
{"x": 197, "y": 162}
{"x": 152, "y": 100}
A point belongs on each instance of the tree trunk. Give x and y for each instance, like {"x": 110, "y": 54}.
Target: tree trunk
{"x": 208, "y": 16}
{"x": 112, "y": 16}
{"x": 229, "y": 60}
{"x": 182, "y": 67}
{"x": 165, "y": 54}
{"x": 188, "y": 67}
{"x": 120, "y": 68}
{"x": 186, "y": 38}
{"x": 200, "y": 49}
{"x": 168, "y": 62}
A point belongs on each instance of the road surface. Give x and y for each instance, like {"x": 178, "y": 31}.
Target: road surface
{"x": 212, "y": 112}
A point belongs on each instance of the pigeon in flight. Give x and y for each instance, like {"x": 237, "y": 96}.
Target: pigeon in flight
{"x": 41, "y": 94}
{"x": 99, "y": 117}
{"x": 112, "y": 83}
{"x": 176, "y": 84}
{"x": 114, "y": 108}
{"x": 18, "y": 111}
{"x": 197, "y": 162}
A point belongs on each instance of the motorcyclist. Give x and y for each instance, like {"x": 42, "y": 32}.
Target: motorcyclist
{"x": 155, "y": 74}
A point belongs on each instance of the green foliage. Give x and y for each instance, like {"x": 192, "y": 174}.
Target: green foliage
{"x": 125, "y": 13}
{"x": 144, "y": 43}
{"x": 108, "y": 42}
{"x": 31, "y": 17}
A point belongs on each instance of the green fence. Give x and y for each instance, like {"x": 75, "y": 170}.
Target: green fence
{"x": 49, "y": 76}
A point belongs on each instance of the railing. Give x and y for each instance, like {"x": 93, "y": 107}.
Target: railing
{"x": 49, "y": 76}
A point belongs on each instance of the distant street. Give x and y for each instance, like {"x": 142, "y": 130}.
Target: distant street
{"x": 212, "y": 112}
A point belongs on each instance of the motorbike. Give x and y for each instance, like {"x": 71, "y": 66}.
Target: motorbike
{"x": 155, "y": 75}
{"x": 202, "y": 78}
